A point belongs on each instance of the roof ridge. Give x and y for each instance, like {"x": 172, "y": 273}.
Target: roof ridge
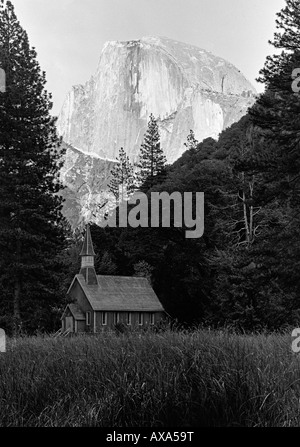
{"x": 122, "y": 276}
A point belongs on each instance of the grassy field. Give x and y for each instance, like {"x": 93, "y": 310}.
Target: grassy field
{"x": 176, "y": 379}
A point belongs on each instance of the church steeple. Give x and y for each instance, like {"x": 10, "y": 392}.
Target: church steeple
{"x": 87, "y": 255}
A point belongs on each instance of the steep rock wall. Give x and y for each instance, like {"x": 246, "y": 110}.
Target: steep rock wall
{"x": 183, "y": 86}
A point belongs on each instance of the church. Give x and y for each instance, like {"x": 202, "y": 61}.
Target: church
{"x": 100, "y": 302}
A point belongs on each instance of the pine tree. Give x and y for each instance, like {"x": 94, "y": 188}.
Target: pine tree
{"x": 288, "y": 40}
{"x": 191, "y": 143}
{"x": 31, "y": 225}
{"x": 276, "y": 160}
{"x": 122, "y": 175}
{"x": 105, "y": 265}
{"x": 288, "y": 22}
{"x": 277, "y": 110}
{"x": 151, "y": 166}
{"x": 143, "y": 269}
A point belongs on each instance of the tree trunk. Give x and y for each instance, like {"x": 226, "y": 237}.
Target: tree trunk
{"x": 248, "y": 219}
{"x": 17, "y": 293}
{"x": 245, "y": 217}
{"x": 17, "y": 315}
{"x": 251, "y": 222}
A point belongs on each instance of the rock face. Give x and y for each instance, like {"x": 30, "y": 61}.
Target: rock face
{"x": 86, "y": 181}
{"x": 183, "y": 86}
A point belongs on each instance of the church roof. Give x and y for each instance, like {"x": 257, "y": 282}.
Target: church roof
{"x": 87, "y": 247}
{"x": 75, "y": 311}
{"x": 120, "y": 293}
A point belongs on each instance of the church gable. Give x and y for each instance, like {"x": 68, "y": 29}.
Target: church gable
{"x": 77, "y": 294}
{"x": 73, "y": 310}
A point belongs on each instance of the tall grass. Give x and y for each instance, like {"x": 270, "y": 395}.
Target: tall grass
{"x": 173, "y": 378}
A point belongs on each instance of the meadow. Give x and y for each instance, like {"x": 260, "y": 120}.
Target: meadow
{"x": 197, "y": 378}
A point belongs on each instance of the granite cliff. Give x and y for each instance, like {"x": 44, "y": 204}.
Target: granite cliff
{"x": 184, "y": 87}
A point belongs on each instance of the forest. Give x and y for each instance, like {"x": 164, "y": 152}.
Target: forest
{"x": 242, "y": 273}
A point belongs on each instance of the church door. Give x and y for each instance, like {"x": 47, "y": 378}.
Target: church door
{"x": 69, "y": 323}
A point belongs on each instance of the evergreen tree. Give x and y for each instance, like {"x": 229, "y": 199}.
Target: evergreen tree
{"x": 151, "y": 167}
{"x": 276, "y": 114}
{"x": 31, "y": 225}
{"x": 144, "y": 270}
{"x": 275, "y": 161}
{"x": 105, "y": 265}
{"x": 191, "y": 143}
{"x": 277, "y": 110}
{"x": 288, "y": 22}
{"x": 122, "y": 176}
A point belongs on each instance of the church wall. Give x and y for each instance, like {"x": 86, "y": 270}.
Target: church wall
{"x": 123, "y": 319}
{"x": 77, "y": 294}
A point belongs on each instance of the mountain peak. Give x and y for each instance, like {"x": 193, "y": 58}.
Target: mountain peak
{"x": 185, "y": 87}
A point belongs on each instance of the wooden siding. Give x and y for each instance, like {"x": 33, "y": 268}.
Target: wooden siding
{"x": 80, "y": 326}
{"x": 158, "y": 316}
{"x": 63, "y": 321}
{"x": 77, "y": 294}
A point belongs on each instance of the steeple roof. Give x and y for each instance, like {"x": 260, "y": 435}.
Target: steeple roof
{"x": 87, "y": 247}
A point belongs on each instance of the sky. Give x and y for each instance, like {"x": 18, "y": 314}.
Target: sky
{"x": 69, "y": 34}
